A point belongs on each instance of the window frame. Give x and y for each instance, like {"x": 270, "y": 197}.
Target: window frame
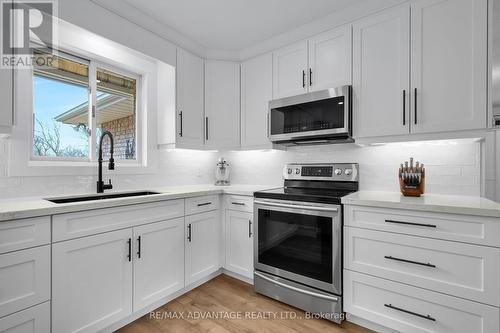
{"x": 93, "y": 65}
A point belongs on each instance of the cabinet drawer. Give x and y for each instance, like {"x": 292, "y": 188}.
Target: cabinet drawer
{"x": 202, "y": 204}
{"x": 33, "y": 320}
{"x": 405, "y": 308}
{"x": 460, "y": 228}
{"x": 25, "y": 233}
{"x": 464, "y": 270}
{"x": 24, "y": 279}
{"x": 239, "y": 202}
{"x": 79, "y": 224}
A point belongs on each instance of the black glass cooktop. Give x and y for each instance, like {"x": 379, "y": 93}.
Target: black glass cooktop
{"x": 332, "y": 196}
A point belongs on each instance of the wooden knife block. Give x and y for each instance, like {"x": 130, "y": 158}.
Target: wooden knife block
{"x": 412, "y": 191}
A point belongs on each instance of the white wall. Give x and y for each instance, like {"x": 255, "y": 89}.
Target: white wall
{"x": 453, "y": 167}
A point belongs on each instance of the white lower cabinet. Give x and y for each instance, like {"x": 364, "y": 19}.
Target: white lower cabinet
{"x": 410, "y": 309}
{"x": 24, "y": 279}
{"x": 158, "y": 261}
{"x": 32, "y": 320}
{"x": 239, "y": 242}
{"x": 202, "y": 245}
{"x": 91, "y": 282}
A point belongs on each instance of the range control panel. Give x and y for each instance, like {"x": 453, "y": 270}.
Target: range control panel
{"x": 348, "y": 172}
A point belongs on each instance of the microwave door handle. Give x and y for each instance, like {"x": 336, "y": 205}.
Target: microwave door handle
{"x": 293, "y": 206}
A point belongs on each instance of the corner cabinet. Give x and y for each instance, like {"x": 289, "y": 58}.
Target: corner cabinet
{"x": 222, "y": 104}
{"x": 190, "y": 100}
{"x": 321, "y": 62}
{"x": 256, "y": 92}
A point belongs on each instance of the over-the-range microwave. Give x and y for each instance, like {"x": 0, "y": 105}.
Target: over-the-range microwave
{"x": 317, "y": 117}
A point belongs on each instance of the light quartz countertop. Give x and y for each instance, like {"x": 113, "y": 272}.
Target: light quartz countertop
{"x": 454, "y": 204}
{"x": 26, "y": 207}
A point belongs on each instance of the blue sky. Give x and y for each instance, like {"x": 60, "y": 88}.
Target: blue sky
{"x": 52, "y": 98}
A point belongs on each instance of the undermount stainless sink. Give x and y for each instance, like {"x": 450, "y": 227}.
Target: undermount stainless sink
{"x": 92, "y": 197}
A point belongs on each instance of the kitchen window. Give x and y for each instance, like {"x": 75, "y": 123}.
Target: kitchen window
{"x": 74, "y": 101}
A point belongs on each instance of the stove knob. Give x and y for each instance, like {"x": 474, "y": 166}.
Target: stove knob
{"x": 348, "y": 172}
{"x": 289, "y": 171}
{"x": 338, "y": 172}
{"x": 297, "y": 171}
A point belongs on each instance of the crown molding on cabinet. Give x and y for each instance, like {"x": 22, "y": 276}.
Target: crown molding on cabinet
{"x": 350, "y": 14}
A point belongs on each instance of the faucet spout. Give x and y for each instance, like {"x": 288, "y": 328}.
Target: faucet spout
{"x": 111, "y": 165}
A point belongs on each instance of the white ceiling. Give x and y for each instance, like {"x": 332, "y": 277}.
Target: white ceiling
{"x": 232, "y": 25}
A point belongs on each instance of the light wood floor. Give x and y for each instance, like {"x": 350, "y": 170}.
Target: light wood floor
{"x": 230, "y": 296}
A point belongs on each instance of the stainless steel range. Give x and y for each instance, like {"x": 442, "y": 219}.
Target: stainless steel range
{"x": 298, "y": 243}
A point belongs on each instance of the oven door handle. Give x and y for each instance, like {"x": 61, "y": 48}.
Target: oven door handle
{"x": 302, "y": 291}
{"x": 316, "y": 208}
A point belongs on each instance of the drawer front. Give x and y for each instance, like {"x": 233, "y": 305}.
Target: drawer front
{"x": 410, "y": 309}
{"x": 460, "y": 228}
{"x": 33, "y": 320}
{"x": 24, "y": 279}
{"x": 464, "y": 270}
{"x": 239, "y": 202}
{"x": 202, "y": 204}
{"x": 22, "y": 234}
{"x": 79, "y": 224}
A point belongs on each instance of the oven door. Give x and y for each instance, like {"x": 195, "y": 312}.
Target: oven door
{"x": 318, "y": 114}
{"x": 300, "y": 242}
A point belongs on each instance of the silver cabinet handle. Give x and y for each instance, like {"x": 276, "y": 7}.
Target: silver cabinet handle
{"x": 323, "y": 209}
{"x": 428, "y": 317}
{"x": 302, "y": 291}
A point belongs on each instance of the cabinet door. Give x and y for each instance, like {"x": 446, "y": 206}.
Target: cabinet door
{"x": 449, "y": 65}
{"x": 256, "y": 92}
{"x": 6, "y": 96}
{"x": 158, "y": 261}
{"x": 32, "y": 320}
{"x": 222, "y": 104}
{"x": 239, "y": 242}
{"x": 92, "y": 282}
{"x": 24, "y": 279}
{"x": 330, "y": 56}
{"x": 381, "y": 73}
{"x": 202, "y": 245}
{"x": 290, "y": 70}
{"x": 190, "y": 107}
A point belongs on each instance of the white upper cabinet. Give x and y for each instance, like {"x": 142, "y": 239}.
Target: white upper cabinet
{"x": 256, "y": 92}
{"x": 222, "y": 104}
{"x": 290, "y": 70}
{"x": 449, "y": 65}
{"x": 6, "y": 111}
{"x": 158, "y": 261}
{"x": 381, "y": 68}
{"x": 190, "y": 103}
{"x": 330, "y": 55}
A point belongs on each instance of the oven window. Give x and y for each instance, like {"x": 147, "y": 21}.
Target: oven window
{"x": 297, "y": 243}
{"x": 313, "y": 116}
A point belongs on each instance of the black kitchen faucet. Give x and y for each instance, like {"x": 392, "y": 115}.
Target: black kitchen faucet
{"x": 111, "y": 166}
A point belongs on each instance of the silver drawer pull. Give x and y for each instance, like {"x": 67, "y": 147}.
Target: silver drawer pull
{"x": 307, "y": 292}
{"x": 428, "y": 317}
{"x": 204, "y": 204}
{"x": 410, "y": 261}
{"x": 238, "y": 203}
{"x": 412, "y": 223}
